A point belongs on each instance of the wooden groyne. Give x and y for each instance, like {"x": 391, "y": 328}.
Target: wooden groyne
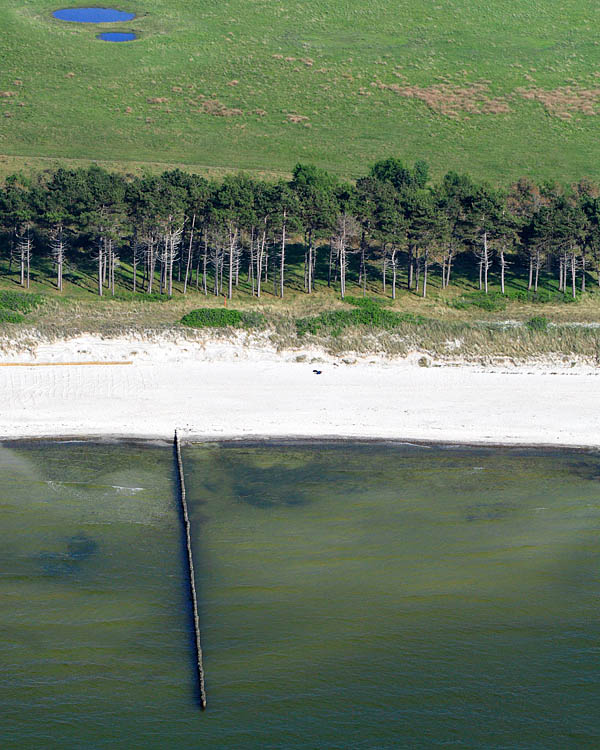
{"x": 192, "y": 580}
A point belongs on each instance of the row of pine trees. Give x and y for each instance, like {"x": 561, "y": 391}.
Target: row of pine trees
{"x": 395, "y": 222}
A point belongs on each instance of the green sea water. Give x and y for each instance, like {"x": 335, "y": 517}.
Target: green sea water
{"x": 351, "y": 596}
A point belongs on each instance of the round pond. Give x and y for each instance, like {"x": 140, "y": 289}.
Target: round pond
{"x": 117, "y": 36}
{"x": 93, "y": 15}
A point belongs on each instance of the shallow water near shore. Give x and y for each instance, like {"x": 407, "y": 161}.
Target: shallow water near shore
{"x": 364, "y": 596}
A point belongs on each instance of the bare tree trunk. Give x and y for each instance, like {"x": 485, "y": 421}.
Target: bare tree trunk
{"x": 502, "y": 269}
{"x": 163, "y": 263}
{"x": 174, "y": 238}
{"x": 216, "y": 261}
{"x": 486, "y": 260}
{"x": 112, "y": 269}
{"x": 343, "y": 262}
{"x": 394, "y": 251}
{"x": 410, "y": 268}
{"x": 266, "y": 263}
{"x": 24, "y": 247}
{"x": 530, "y": 283}
{"x": 145, "y": 276}
{"x": 573, "y": 275}
{"x": 306, "y": 263}
{"x": 449, "y": 267}
{"x": 250, "y": 257}
{"x": 221, "y": 269}
{"x": 12, "y": 249}
{"x": 560, "y": 273}
{"x": 583, "y": 272}
{"x": 134, "y": 260}
{"x": 260, "y": 251}
{"x": 232, "y": 243}
{"x": 109, "y": 266}
{"x": 204, "y": 264}
{"x": 309, "y": 280}
{"x": 537, "y": 270}
{"x": 363, "y": 265}
{"x": 188, "y": 265}
{"x": 282, "y": 259}
{"x": 425, "y": 267}
{"x": 58, "y": 251}
{"x": 151, "y": 265}
{"x": 417, "y": 274}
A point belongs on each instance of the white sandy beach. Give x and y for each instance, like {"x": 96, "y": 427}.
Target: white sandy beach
{"x": 238, "y": 389}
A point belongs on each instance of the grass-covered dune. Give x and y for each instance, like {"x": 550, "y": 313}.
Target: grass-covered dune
{"x": 458, "y": 322}
{"x": 498, "y": 89}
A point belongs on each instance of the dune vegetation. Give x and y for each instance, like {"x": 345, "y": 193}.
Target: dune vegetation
{"x": 393, "y": 262}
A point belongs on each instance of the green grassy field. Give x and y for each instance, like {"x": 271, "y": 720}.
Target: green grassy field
{"x": 498, "y": 89}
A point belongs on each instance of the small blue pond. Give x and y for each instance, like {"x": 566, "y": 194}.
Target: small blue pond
{"x": 93, "y": 15}
{"x": 117, "y": 36}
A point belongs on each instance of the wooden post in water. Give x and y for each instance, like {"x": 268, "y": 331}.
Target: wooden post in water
{"x": 192, "y": 581}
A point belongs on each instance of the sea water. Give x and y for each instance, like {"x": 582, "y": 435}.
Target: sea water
{"x": 351, "y": 596}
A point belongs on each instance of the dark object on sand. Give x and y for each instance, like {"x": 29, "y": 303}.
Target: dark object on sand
{"x": 317, "y": 372}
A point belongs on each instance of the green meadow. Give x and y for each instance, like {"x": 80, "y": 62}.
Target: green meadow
{"x": 497, "y": 89}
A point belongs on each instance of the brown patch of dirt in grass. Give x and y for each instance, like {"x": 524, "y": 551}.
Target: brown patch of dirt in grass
{"x": 564, "y": 101}
{"x": 7, "y": 94}
{"x": 157, "y": 100}
{"x": 296, "y": 119}
{"x": 218, "y": 109}
{"x": 452, "y": 100}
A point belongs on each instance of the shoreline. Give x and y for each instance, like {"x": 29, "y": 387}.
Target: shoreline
{"x": 295, "y": 441}
{"x": 243, "y": 390}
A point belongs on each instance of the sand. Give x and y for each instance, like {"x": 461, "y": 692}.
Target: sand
{"x": 243, "y": 388}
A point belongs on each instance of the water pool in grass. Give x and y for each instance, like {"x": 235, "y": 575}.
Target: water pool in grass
{"x": 93, "y": 15}
{"x": 117, "y": 36}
